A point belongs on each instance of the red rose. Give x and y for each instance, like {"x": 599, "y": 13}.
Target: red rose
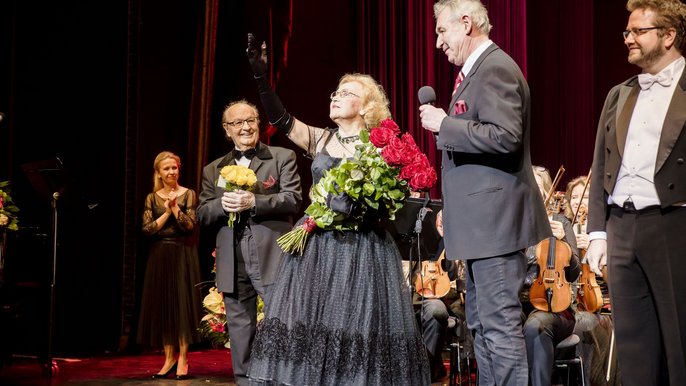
{"x": 423, "y": 180}
{"x": 417, "y": 164}
{"x": 390, "y": 124}
{"x": 381, "y": 136}
{"x": 393, "y": 152}
{"x": 410, "y": 150}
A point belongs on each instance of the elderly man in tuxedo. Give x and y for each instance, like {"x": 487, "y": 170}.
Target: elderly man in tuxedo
{"x": 247, "y": 253}
{"x": 637, "y": 205}
{"x": 492, "y": 209}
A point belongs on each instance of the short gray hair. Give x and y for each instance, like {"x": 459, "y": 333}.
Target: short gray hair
{"x": 473, "y": 8}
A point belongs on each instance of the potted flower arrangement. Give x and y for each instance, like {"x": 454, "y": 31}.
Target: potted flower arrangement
{"x": 8, "y": 211}
{"x": 213, "y": 324}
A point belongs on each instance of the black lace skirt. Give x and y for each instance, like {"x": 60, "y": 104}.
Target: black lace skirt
{"x": 340, "y": 315}
{"x": 170, "y": 305}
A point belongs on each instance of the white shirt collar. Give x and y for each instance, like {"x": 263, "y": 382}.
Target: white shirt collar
{"x": 469, "y": 63}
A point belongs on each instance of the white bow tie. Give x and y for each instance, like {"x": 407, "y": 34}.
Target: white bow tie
{"x": 647, "y": 80}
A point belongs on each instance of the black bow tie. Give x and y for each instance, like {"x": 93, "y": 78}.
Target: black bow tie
{"x": 249, "y": 153}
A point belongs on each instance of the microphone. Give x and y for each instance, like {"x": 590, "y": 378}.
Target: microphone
{"x": 426, "y": 95}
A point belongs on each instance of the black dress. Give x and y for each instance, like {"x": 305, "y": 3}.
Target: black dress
{"x": 341, "y": 314}
{"x": 170, "y": 306}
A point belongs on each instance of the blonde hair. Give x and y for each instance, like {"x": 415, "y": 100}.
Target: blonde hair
{"x": 374, "y": 100}
{"x": 544, "y": 175}
{"x": 156, "y": 177}
{"x": 472, "y": 8}
{"x": 581, "y": 180}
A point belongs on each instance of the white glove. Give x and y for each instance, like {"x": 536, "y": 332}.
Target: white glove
{"x": 596, "y": 255}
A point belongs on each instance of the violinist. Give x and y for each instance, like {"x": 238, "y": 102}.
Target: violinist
{"x": 577, "y": 196}
{"x": 543, "y": 330}
{"x": 436, "y": 312}
{"x": 594, "y": 328}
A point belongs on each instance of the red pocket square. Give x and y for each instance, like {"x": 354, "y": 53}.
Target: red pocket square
{"x": 271, "y": 181}
{"x": 460, "y": 107}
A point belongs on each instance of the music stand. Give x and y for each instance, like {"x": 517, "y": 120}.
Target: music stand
{"x": 414, "y": 230}
{"x": 48, "y": 178}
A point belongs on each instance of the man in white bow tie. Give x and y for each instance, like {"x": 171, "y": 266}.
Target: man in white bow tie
{"x": 637, "y": 206}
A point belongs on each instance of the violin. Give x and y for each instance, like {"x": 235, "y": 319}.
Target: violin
{"x": 432, "y": 282}
{"x": 551, "y": 291}
{"x": 589, "y": 297}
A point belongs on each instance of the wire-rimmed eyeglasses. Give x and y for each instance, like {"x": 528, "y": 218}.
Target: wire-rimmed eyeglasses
{"x": 237, "y": 124}
{"x": 343, "y": 94}
{"x": 638, "y": 31}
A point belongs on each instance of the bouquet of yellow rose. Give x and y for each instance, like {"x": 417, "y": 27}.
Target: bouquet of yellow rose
{"x": 236, "y": 177}
{"x": 385, "y": 167}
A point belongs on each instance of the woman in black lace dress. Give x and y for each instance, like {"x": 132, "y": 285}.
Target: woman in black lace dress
{"x": 340, "y": 314}
{"x": 170, "y": 307}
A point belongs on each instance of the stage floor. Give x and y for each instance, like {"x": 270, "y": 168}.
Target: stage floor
{"x": 207, "y": 367}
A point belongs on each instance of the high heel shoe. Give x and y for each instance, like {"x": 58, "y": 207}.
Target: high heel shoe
{"x": 181, "y": 377}
{"x": 165, "y": 375}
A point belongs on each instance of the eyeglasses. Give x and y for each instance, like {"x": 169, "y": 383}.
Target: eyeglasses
{"x": 342, "y": 94}
{"x": 638, "y": 31}
{"x": 237, "y": 124}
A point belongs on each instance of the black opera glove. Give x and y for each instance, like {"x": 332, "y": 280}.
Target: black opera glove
{"x": 277, "y": 114}
{"x": 341, "y": 203}
{"x": 257, "y": 56}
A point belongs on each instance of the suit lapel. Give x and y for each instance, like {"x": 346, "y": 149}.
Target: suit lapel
{"x": 226, "y": 161}
{"x": 625, "y": 105}
{"x": 674, "y": 123}
{"x": 473, "y": 71}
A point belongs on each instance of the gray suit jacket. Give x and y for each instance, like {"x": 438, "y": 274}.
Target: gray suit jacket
{"x": 278, "y": 196}
{"x": 670, "y": 167}
{"x": 492, "y": 205}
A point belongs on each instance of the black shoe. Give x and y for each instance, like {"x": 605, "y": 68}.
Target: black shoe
{"x": 181, "y": 377}
{"x": 165, "y": 375}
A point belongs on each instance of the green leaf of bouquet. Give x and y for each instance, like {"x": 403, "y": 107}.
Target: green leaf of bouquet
{"x": 376, "y": 173}
{"x": 364, "y": 136}
{"x": 356, "y": 174}
{"x": 372, "y": 204}
{"x": 396, "y": 194}
{"x": 368, "y": 189}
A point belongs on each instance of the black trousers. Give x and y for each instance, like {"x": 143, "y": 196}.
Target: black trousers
{"x": 647, "y": 281}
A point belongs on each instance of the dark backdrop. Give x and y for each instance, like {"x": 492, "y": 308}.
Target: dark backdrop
{"x": 106, "y": 87}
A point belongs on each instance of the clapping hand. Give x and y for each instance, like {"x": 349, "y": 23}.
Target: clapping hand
{"x": 257, "y": 56}
{"x": 171, "y": 198}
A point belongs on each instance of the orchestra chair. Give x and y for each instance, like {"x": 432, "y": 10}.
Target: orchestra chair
{"x": 460, "y": 348}
{"x": 566, "y": 358}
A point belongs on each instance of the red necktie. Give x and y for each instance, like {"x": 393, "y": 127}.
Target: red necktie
{"x": 458, "y": 81}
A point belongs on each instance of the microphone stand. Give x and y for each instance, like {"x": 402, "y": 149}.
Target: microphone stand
{"x": 50, "y": 367}
{"x": 418, "y": 225}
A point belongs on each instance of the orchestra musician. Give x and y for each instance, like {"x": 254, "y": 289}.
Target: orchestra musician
{"x": 543, "y": 330}
{"x": 435, "y": 311}
{"x": 594, "y": 328}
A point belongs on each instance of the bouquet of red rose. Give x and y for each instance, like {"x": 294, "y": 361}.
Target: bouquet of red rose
{"x": 379, "y": 176}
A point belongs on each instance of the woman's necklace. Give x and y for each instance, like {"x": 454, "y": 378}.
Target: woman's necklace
{"x": 349, "y": 139}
